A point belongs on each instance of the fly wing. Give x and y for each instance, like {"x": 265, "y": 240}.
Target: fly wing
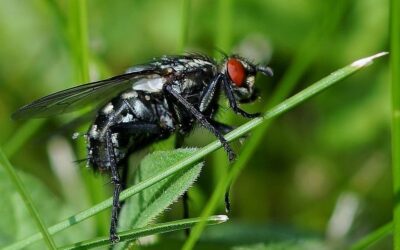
{"x": 93, "y": 93}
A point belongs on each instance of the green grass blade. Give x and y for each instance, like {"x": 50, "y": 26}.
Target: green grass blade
{"x": 185, "y": 21}
{"x": 373, "y": 237}
{"x": 223, "y": 37}
{"x": 395, "y": 89}
{"x": 27, "y": 200}
{"x": 79, "y": 37}
{"x": 149, "y": 230}
{"x": 21, "y": 136}
{"x": 284, "y": 106}
{"x": 223, "y": 41}
{"x": 79, "y": 43}
{"x": 235, "y": 134}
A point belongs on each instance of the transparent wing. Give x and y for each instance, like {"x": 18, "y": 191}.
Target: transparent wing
{"x": 93, "y": 93}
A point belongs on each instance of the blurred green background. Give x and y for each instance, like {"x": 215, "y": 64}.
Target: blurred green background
{"x": 320, "y": 178}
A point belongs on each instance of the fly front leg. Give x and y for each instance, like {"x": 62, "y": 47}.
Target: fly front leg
{"x": 222, "y": 127}
{"x": 209, "y": 93}
{"x": 175, "y": 96}
{"x": 233, "y": 103}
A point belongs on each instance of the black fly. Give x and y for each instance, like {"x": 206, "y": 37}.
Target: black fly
{"x": 149, "y": 103}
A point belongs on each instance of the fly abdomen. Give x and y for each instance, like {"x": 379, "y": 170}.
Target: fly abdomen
{"x": 128, "y": 122}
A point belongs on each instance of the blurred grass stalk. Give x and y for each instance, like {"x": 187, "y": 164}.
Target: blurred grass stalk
{"x": 392, "y": 227}
{"x": 317, "y": 39}
{"x": 25, "y": 132}
{"x": 279, "y": 109}
{"x": 395, "y": 89}
{"x": 26, "y": 198}
{"x": 77, "y": 33}
{"x": 223, "y": 41}
{"x": 223, "y": 33}
{"x": 185, "y": 23}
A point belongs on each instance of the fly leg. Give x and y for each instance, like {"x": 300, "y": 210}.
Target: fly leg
{"x": 201, "y": 119}
{"x": 224, "y": 128}
{"x": 209, "y": 93}
{"x": 233, "y": 103}
{"x": 185, "y": 197}
{"x": 114, "y": 238}
{"x": 131, "y": 128}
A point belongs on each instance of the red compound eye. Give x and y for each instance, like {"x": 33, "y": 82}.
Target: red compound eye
{"x": 236, "y": 71}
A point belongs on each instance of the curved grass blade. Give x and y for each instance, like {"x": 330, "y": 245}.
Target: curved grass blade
{"x": 373, "y": 237}
{"x": 27, "y": 200}
{"x": 277, "y": 110}
{"x": 133, "y": 234}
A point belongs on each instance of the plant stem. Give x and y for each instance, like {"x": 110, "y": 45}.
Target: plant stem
{"x": 395, "y": 89}
{"x": 279, "y": 109}
{"x": 27, "y": 200}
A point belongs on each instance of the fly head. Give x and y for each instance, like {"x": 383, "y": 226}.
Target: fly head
{"x": 240, "y": 74}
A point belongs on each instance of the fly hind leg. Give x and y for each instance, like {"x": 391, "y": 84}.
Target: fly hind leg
{"x": 114, "y": 238}
{"x": 131, "y": 129}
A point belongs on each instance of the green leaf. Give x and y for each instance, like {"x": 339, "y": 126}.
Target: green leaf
{"x": 142, "y": 208}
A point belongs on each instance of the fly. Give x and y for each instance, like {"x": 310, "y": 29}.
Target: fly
{"x": 149, "y": 103}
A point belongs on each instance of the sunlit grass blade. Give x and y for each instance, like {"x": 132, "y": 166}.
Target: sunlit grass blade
{"x": 284, "y": 106}
{"x": 145, "y": 231}
{"x": 27, "y": 200}
{"x": 279, "y": 109}
{"x": 373, "y": 237}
